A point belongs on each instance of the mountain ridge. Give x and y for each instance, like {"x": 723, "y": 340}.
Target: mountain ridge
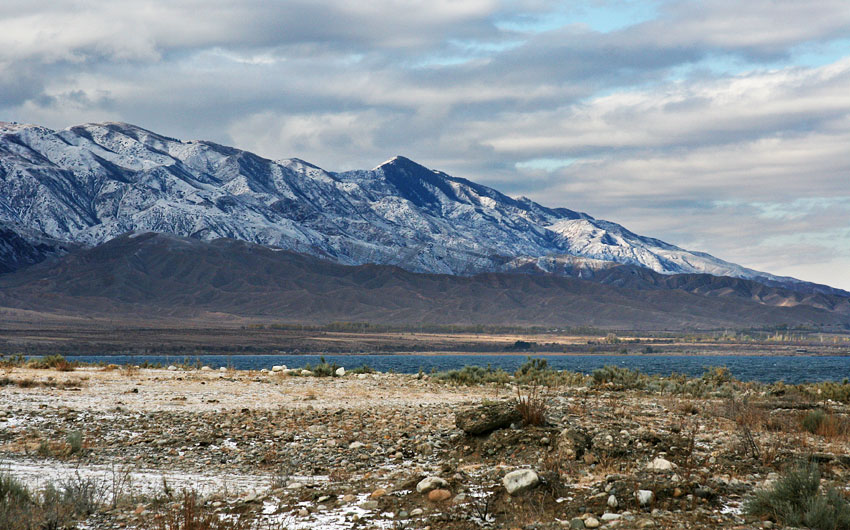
{"x": 90, "y": 183}
{"x": 163, "y": 276}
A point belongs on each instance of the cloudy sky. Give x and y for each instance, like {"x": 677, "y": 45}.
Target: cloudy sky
{"x": 716, "y": 125}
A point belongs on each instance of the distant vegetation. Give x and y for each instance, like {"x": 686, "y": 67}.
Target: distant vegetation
{"x": 714, "y": 382}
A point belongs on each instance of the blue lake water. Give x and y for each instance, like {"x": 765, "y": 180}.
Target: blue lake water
{"x": 791, "y": 369}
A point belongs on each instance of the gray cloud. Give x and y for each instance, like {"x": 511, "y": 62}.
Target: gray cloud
{"x": 683, "y": 126}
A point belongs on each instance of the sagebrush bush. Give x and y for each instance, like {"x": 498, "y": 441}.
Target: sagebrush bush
{"x": 75, "y": 442}
{"x": 55, "y": 362}
{"x": 795, "y": 499}
{"x": 813, "y": 420}
{"x": 474, "y": 375}
{"x": 364, "y": 369}
{"x": 323, "y": 369}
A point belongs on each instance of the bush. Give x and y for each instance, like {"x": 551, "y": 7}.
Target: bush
{"x": 813, "y": 420}
{"x": 55, "y": 362}
{"x": 619, "y": 378}
{"x": 323, "y": 369}
{"x": 474, "y": 375}
{"x": 17, "y": 506}
{"x": 825, "y": 424}
{"x": 56, "y": 507}
{"x": 365, "y": 369}
{"x": 75, "y": 442}
{"x": 795, "y": 499}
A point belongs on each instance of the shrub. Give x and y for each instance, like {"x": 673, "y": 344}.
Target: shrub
{"x": 75, "y": 442}
{"x": 813, "y": 420}
{"x": 16, "y": 504}
{"x": 323, "y": 369}
{"x": 795, "y": 499}
{"x": 365, "y": 369}
{"x": 56, "y": 362}
{"x": 825, "y": 424}
{"x": 619, "y": 378}
{"x": 13, "y": 361}
{"x": 474, "y": 375}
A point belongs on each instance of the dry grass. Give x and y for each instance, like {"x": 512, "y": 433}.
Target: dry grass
{"x": 827, "y": 424}
{"x": 190, "y": 514}
{"x": 531, "y": 406}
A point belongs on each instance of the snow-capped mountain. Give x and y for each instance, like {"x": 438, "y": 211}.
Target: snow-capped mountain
{"x": 90, "y": 183}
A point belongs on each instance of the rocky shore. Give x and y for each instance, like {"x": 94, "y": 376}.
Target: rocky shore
{"x": 283, "y": 450}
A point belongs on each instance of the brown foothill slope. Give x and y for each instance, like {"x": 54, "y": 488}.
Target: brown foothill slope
{"x": 156, "y": 276}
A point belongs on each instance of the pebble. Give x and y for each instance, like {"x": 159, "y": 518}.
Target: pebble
{"x": 613, "y": 503}
{"x": 591, "y": 522}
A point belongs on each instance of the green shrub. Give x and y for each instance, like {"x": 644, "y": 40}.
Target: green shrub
{"x": 16, "y": 504}
{"x": 814, "y": 420}
{"x": 55, "y": 362}
{"x": 795, "y": 499}
{"x": 474, "y": 375}
{"x": 75, "y": 442}
{"x": 619, "y": 378}
{"x": 323, "y": 369}
{"x": 365, "y": 369}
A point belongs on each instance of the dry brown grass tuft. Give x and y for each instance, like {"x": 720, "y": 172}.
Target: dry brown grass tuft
{"x": 531, "y": 406}
{"x": 190, "y": 514}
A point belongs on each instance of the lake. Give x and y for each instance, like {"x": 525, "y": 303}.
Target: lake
{"x": 768, "y": 369}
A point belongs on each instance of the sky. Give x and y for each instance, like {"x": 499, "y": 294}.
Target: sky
{"x": 720, "y": 125}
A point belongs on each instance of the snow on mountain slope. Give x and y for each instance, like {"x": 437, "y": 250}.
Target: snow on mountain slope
{"x": 90, "y": 183}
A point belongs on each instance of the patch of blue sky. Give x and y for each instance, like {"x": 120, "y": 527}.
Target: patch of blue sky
{"x": 464, "y": 51}
{"x": 601, "y": 16}
{"x": 819, "y": 54}
{"x": 546, "y": 164}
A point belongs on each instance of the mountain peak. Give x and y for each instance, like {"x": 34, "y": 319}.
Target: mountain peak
{"x": 116, "y": 177}
{"x": 399, "y": 161}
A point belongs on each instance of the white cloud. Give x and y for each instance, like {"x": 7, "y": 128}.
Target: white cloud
{"x": 491, "y": 90}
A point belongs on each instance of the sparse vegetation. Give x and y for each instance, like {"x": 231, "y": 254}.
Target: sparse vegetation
{"x": 796, "y": 499}
{"x": 191, "y": 513}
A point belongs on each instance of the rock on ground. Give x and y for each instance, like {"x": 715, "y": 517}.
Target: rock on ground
{"x": 520, "y": 480}
{"x": 487, "y": 418}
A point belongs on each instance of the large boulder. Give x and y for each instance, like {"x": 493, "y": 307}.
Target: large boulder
{"x": 487, "y": 418}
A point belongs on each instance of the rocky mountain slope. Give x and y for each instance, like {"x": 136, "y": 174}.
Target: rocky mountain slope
{"x": 90, "y": 183}
{"x": 155, "y": 276}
